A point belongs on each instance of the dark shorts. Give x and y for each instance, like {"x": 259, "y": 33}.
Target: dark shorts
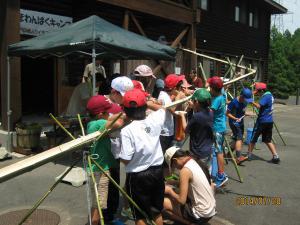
{"x": 147, "y": 189}
{"x": 186, "y": 213}
{"x": 237, "y": 130}
{"x": 264, "y": 129}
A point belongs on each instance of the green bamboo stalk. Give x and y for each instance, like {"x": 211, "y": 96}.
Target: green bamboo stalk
{"x": 234, "y": 162}
{"x": 96, "y": 192}
{"x": 279, "y": 134}
{"x": 202, "y": 71}
{"x": 40, "y": 201}
{"x": 61, "y": 126}
{"x": 124, "y": 193}
{"x": 80, "y": 123}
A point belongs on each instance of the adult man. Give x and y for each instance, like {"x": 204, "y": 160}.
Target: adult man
{"x": 264, "y": 122}
{"x": 144, "y": 74}
{"x": 87, "y": 74}
{"x": 236, "y": 113}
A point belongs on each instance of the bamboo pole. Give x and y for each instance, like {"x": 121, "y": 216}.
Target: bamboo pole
{"x": 40, "y": 201}
{"x": 61, "y": 126}
{"x": 35, "y": 161}
{"x": 96, "y": 192}
{"x": 202, "y": 72}
{"x": 212, "y": 58}
{"x": 81, "y": 126}
{"x": 124, "y": 193}
{"x": 241, "y": 77}
{"x": 234, "y": 162}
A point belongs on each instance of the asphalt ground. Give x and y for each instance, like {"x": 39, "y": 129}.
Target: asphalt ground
{"x": 268, "y": 195}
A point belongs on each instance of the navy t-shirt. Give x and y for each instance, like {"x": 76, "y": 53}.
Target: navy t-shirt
{"x": 237, "y": 109}
{"x": 265, "y": 114}
{"x": 200, "y": 128}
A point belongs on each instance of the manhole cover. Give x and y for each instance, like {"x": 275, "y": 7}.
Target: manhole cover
{"x": 39, "y": 217}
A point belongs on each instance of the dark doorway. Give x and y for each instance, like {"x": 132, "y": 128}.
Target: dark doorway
{"x": 37, "y": 80}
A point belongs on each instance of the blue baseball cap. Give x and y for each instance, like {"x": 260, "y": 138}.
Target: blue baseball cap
{"x": 247, "y": 95}
{"x": 160, "y": 83}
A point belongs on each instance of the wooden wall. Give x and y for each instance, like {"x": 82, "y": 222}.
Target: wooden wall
{"x": 218, "y": 32}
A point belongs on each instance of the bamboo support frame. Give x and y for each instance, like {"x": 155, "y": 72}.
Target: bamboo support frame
{"x": 96, "y": 193}
{"x": 124, "y": 193}
{"x": 40, "y": 201}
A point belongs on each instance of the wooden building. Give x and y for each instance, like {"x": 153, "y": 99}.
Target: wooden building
{"x": 227, "y": 28}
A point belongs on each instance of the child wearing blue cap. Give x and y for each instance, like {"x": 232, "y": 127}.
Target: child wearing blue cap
{"x": 236, "y": 113}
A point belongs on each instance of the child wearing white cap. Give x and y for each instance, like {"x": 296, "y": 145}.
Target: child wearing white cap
{"x": 195, "y": 201}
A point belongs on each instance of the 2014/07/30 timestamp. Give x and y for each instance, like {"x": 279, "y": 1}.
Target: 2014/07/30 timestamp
{"x": 240, "y": 201}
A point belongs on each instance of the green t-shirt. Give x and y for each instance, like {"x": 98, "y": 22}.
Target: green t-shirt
{"x": 101, "y": 147}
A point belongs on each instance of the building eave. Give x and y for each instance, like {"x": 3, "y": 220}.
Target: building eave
{"x": 276, "y": 8}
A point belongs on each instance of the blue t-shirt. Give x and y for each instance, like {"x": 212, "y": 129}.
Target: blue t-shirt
{"x": 218, "y": 105}
{"x": 200, "y": 128}
{"x": 237, "y": 109}
{"x": 265, "y": 114}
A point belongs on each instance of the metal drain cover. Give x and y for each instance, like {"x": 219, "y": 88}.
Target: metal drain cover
{"x": 39, "y": 217}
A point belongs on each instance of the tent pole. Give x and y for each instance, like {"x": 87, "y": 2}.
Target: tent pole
{"x": 9, "y": 112}
{"x": 94, "y": 70}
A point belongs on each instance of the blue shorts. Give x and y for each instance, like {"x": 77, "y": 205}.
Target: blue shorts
{"x": 218, "y": 146}
{"x": 237, "y": 130}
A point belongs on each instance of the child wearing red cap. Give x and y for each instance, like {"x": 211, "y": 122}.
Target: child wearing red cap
{"x": 264, "y": 122}
{"x": 142, "y": 154}
{"x": 173, "y": 84}
{"x": 218, "y": 106}
{"x": 99, "y": 108}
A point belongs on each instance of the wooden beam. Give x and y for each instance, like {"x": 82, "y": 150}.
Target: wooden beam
{"x": 156, "y": 8}
{"x": 137, "y": 24}
{"x": 174, "y": 44}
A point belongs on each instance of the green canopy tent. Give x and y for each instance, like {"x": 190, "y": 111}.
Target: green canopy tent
{"x": 92, "y": 36}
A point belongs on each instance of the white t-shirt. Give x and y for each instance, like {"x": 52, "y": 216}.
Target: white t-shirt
{"x": 168, "y": 127}
{"x": 140, "y": 143}
{"x": 89, "y": 69}
{"x": 200, "y": 193}
{"x": 78, "y": 100}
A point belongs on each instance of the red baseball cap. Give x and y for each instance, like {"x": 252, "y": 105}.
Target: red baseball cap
{"x": 98, "y": 104}
{"x": 260, "y": 86}
{"x": 172, "y": 80}
{"x": 140, "y": 86}
{"x": 136, "y": 96}
{"x": 215, "y": 82}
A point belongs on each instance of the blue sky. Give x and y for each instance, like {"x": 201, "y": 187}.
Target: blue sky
{"x": 291, "y": 21}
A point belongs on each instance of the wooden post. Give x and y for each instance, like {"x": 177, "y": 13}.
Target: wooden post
{"x": 123, "y": 64}
{"x": 10, "y": 33}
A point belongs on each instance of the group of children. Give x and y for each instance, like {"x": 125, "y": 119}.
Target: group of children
{"x": 146, "y": 144}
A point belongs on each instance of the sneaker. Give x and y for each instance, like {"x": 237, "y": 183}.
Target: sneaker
{"x": 275, "y": 160}
{"x": 126, "y": 212}
{"x": 241, "y": 159}
{"x": 221, "y": 180}
{"x": 250, "y": 156}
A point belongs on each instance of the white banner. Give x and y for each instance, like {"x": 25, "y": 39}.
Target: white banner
{"x": 37, "y": 23}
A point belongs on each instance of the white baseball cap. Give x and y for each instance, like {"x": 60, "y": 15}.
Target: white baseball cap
{"x": 143, "y": 71}
{"x": 169, "y": 154}
{"x": 122, "y": 84}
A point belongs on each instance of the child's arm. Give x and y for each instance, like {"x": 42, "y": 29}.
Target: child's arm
{"x": 119, "y": 123}
{"x": 185, "y": 176}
